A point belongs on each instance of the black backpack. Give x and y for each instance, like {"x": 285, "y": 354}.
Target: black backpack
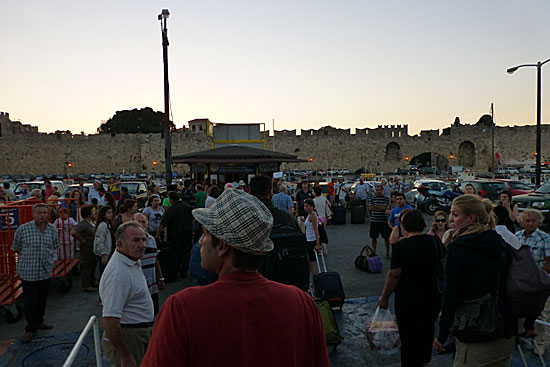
{"x": 527, "y": 286}
{"x": 288, "y": 262}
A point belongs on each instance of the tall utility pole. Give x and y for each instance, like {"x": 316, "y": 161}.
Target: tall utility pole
{"x": 163, "y": 17}
{"x": 492, "y": 141}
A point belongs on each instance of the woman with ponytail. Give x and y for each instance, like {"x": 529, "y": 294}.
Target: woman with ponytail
{"x": 474, "y": 268}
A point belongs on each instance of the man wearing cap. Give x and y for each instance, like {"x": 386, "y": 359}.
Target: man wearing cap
{"x": 242, "y": 319}
{"x": 128, "y": 311}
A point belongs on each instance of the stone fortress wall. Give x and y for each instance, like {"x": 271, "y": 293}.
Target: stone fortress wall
{"x": 381, "y": 149}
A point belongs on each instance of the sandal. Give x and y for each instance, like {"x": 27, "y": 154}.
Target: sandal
{"x": 528, "y": 334}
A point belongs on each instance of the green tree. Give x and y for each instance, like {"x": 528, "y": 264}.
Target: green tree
{"x": 143, "y": 120}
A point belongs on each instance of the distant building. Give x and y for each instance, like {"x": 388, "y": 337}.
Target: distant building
{"x": 10, "y": 128}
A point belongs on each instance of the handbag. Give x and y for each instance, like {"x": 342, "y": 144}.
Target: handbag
{"x": 370, "y": 262}
{"x": 478, "y": 320}
{"x": 328, "y": 212}
{"x": 323, "y": 238}
{"x": 439, "y": 267}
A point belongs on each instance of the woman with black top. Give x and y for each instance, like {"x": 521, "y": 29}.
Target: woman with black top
{"x": 412, "y": 276}
{"x": 477, "y": 260}
{"x": 506, "y": 200}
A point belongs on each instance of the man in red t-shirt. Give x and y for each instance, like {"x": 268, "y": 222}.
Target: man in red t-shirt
{"x": 330, "y": 194}
{"x": 242, "y": 319}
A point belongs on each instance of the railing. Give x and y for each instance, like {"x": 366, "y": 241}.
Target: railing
{"x": 535, "y": 347}
{"x": 91, "y": 323}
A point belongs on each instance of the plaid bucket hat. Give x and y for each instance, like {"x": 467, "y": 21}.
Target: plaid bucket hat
{"x": 239, "y": 219}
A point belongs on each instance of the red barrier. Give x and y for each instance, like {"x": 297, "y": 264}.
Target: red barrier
{"x": 12, "y": 216}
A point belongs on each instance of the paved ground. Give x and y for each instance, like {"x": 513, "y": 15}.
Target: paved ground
{"x": 69, "y": 312}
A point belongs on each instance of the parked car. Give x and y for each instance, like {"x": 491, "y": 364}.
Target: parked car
{"x": 135, "y": 188}
{"x": 127, "y": 176}
{"x": 12, "y": 187}
{"x": 539, "y": 199}
{"x": 517, "y": 187}
{"x": 402, "y": 171}
{"x": 486, "y": 188}
{"x": 40, "y": 185}
{"x": 87, "y": 187}
{"x": 428, "y": 170}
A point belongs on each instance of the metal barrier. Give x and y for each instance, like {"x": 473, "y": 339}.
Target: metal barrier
{"x": 91, "y": 323}
{"x": 535, "y": 347}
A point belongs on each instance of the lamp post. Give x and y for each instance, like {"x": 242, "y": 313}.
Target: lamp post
{"x": 163, "y": 17}
{"x": 538, "y": 65}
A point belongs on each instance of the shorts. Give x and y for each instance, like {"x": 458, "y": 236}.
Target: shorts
{"x": 311, "y": 251}
{"x": 380, "y": 229}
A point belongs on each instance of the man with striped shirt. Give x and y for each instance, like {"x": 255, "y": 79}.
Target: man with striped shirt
{"x": 378, "y": 204}
{"x": 150, "y": 264}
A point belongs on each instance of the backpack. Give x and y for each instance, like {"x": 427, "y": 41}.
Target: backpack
{"x": 527, "y": 286}
{"x": 288, "y": 262}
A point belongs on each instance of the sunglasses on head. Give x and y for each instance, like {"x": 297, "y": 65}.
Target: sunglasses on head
{"x": 441, "y": 220}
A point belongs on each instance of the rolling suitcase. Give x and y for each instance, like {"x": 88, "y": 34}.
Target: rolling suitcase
{"x": 339, "y": 216}
{"x": 357, "y": 212}
{"x": 330, "y": 326}
{"x": 328, "y": 285}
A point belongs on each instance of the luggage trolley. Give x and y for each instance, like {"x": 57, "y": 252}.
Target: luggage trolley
{"x": 13, "y": 215}
{"x": 66, "y": 261}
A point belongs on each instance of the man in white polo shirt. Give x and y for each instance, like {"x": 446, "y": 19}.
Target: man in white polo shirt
{"x": 127, "y": 306}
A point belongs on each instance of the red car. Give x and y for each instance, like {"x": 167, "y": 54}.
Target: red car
{"x": 517, "y": 187}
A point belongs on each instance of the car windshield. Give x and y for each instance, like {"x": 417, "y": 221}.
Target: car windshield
{"x": 132, "y": 187}
{"x": 32, "y": 186}
{"x": 437, "y": 186}
{"x": 520, "y": 186}
{"x": 494, "y": 187}
{"x": 544, "y": 189}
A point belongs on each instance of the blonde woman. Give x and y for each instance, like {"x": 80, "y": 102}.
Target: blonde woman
{"x": 472, "y": 267}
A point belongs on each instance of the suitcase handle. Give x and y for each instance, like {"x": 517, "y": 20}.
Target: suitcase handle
{"x": 317, "y": 260}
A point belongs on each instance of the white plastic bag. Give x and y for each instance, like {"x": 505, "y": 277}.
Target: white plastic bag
{"x": 382, "y": 332}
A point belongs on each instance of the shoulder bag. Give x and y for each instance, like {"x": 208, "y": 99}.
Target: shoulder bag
{"x": 479, "y": 320}
{"x": 370, "y": 263}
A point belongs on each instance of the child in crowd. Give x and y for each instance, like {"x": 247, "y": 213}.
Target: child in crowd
{"x": 64, "y": 224}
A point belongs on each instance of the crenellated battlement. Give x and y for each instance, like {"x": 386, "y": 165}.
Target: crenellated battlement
{"x": 380, "y": 149}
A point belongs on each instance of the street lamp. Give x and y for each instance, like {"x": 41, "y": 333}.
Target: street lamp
{"x": 163, "y": 17}
{"x": 538, "y": 65}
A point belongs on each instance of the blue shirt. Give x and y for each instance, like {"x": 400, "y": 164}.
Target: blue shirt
{"x": 394, "y": 214}
{"x": 282, "y": 201}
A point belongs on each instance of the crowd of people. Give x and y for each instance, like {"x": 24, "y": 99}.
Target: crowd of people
{"x": 463, "y": 258}
{"x": 130, "y": 248}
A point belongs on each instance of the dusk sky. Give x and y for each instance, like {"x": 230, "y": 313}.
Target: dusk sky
{"x": 68, "y": 65}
